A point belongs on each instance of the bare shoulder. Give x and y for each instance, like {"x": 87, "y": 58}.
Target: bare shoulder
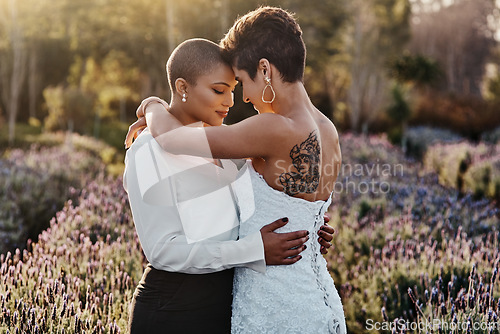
{"x": 268, "y": 124}
{"x": 328, "y": 130}
{"x": 270, "y": 119}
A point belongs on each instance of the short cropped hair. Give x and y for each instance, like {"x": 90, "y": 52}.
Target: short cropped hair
{"x": 192, "y": 59}
{"x": 267, "y": 32}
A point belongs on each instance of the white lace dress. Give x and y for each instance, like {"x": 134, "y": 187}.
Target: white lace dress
{"x": 300, "y": 298}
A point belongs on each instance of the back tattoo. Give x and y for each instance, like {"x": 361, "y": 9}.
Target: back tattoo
{"x": 306, "y": 160}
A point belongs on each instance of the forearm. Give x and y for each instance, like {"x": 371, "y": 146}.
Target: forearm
{"x": 185, "y": 140}
{"x": 158, "y": 119}
{"x": 202, "y": 257}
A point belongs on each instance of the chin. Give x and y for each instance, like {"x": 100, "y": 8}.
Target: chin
{"x": 215, "y": 123}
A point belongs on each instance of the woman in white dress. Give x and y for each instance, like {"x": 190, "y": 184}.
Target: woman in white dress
{"x": 295, "y": 161}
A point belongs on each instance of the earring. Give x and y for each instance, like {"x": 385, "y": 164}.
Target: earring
{"x": 268, "y": 84}
{"x": 183, "y": 97}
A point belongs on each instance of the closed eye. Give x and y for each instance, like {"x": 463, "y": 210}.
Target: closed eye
{"x": 218, "y": 91}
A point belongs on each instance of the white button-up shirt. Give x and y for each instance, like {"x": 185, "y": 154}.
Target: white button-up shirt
{"x": 185, "y": 211}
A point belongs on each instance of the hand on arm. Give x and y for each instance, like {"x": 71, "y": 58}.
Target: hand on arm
{"x": 135, "y": 129}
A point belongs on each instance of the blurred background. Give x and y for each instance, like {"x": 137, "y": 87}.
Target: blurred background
{"x": 413, "y": 87}
{"x": 372, "y": 65}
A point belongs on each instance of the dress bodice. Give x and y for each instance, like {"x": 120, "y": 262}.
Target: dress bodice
{"x": 299, "y": 298}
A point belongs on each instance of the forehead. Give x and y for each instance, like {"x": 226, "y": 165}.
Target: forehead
{"x": 219, "y": 73}
{"x": 240, "y": 74}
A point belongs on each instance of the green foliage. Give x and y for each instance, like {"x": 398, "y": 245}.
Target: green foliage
{"x": 418, "y": 69}
{"x": 22, "y": 131}
{"x": 472, "y": 168}
{"x": 399, "y": 110}
{"x": 494, "y": 88}
{"x": 113, "y": 133}
{"x": 35, "y": 183}
{"x": 419, "y": 138}
{"x": 115, "y": 80}
{"x": 492, "y": 137}
{"x": 377, "y": 30}
{"x": 113, "y": 57}
{"x": 68, "y": 109}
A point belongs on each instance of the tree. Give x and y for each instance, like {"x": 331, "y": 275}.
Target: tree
{"x": 13, "y": 59}
{"x": 379, "y": 29}
{"x": 410, "y": 73}
{"x": 450, "y": 33}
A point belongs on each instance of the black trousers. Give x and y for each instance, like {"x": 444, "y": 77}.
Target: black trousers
{"x": 167, "y": 302}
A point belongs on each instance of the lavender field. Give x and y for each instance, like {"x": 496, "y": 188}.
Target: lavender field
{"x": 410, "y": 250}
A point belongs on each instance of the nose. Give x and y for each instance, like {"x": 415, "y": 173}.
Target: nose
{"x": 229, "y": 100}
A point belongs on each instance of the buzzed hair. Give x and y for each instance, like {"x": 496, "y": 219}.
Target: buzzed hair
{"x": 192, "y": 59}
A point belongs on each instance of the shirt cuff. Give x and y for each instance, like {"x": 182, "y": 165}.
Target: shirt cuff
{"x": 246, "y": 252}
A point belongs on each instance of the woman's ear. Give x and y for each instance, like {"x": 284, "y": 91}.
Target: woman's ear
{"x": 265, "y": 67}
{"x": 181, "y": 86}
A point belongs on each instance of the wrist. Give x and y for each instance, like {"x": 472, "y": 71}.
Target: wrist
{"x": 149, "y": 102}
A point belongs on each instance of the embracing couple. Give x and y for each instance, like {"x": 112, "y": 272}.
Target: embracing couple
{"x": 224, "y": 213}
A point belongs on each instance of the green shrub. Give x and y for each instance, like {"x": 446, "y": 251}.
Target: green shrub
{"x": 492, "y": 137}
{"x": 34, "y": 184}
{"x": 467, "y": 167}
{"x": 419, "y": 138}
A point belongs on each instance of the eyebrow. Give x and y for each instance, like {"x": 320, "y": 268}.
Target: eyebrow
{"x": 221, "y": 83}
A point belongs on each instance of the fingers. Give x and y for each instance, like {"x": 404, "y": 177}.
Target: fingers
{"x": 324, "y": 243}
{"x": 327, "y": 228}
{"x": 296, "y": 242}
{"x": 291, "y": 260}
{"x": 132, "y": 131}
{"x": 326, "y": 218}
{"x": 290, "y": 236}
{"x": 323, "y": 250}
{"x": 296, "y": 251}
{"x": 275, "y": 225}
{"x": 141, "y": 110}
{"x": 327, "y": 236}
{"x": 165, "y": 104}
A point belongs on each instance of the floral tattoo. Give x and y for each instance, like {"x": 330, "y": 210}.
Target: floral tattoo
{"x": 306, "y": 160}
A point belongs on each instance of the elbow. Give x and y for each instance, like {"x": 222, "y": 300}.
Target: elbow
{"x": 163, "y": 140}
{"x": 155, "y": 132}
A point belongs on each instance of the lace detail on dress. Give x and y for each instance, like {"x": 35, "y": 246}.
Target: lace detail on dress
{"x": 300, "y": 298}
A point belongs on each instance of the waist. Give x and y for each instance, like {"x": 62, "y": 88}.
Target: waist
{"x": 164, "y": 283}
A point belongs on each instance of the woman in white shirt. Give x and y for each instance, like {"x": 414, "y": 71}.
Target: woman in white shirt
{"x": 184, "y": 212}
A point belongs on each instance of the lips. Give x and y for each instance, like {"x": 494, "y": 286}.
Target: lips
{"x": 222, "y": 113}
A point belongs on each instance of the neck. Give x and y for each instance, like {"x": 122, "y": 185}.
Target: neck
{"x": 177, "y": 109}
{"x": 291, "y": 97}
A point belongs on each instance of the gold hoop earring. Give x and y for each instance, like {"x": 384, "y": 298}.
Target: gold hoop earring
{"x": 184, "y": 97}
{"x": 268, "y": 84}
